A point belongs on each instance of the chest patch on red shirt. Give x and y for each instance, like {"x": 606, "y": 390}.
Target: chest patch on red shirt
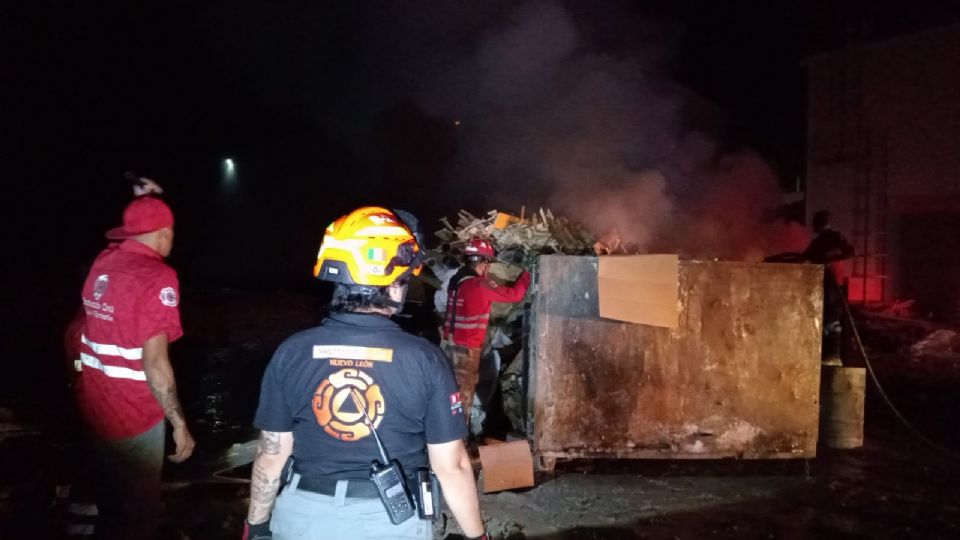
{"x": 100, "y": 286}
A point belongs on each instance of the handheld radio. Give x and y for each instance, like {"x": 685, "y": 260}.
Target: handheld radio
{"x": 388, "y": 476}
{"x": 428, "y": 496}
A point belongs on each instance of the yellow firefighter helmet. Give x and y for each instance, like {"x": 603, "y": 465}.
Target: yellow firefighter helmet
{"x": 369, "y": 246}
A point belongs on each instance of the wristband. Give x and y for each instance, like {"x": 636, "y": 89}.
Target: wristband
{"x": 481, "y": 537}
{"x": 260, "y": 531}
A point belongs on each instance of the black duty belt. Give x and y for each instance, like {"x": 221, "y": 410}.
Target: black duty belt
{"x": 356, "y": 489}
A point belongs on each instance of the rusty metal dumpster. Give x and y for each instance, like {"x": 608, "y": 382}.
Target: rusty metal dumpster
{"x": 738, "y": 377}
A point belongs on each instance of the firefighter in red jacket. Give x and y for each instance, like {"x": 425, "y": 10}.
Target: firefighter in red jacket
{"x": 470, "y": 295}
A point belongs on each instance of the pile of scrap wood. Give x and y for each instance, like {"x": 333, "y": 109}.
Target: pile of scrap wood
{"x": 541, "y": 232}
{"x": 519, "y": 240}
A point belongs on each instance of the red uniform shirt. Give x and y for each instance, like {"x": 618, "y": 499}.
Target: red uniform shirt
{"x": 129, "y": 296}
{"x": 473, "y": 297}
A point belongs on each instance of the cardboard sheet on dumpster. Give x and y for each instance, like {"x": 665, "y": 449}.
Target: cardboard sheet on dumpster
{"x": 506, "y": 465}
{"x": 641, "y": 289}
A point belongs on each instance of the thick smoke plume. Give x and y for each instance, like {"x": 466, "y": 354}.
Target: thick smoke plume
{"x": 543, "y": 119}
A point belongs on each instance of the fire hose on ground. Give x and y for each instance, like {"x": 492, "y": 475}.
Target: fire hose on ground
{"x": 954, "y": 456}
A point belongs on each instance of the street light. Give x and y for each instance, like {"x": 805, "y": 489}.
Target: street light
{"x": 229, "y": 171}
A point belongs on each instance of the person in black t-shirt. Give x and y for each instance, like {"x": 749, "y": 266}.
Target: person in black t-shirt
{"x": 830, "y": 248}
{"x": 322, "y": 382}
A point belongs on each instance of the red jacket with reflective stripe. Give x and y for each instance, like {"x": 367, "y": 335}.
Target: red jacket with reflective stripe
{"x": 129, "y": 296}
{"x": 473, "y": 297}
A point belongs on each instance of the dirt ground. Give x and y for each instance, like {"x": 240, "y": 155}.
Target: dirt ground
{"x": 893, "y": 487}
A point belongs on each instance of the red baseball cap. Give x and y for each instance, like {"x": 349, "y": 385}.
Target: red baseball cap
{"x": 142, "y": 215}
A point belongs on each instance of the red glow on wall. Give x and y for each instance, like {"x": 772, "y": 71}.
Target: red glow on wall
{"x": 857, "y": 293}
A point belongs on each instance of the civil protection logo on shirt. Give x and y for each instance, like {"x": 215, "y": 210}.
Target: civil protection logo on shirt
{"x": 100, "y": 286}
{"x": 168, "y": 297}
{"x": 339, "y": 402}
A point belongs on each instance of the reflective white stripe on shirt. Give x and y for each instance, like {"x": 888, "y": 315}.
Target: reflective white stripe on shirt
{"x": 113, "y": 350}
{"x": 473, "y": 318}
{"x": 467, "y": 326}
{"x": 114, "y": 372}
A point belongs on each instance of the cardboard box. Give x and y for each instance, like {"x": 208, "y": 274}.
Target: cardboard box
{"x": 506, "y": 465}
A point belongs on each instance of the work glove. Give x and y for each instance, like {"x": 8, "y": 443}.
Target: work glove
{"x": 260, "y": 531}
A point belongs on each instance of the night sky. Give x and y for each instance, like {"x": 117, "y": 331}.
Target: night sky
{"x": 328, "y": 105}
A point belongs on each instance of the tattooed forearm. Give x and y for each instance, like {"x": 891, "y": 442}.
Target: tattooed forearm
{"x": 265, "y": 480}
{"x": 159, "y": 374}
{"x": 269, "y": 442}
{"x": 263, "y": 492}
{"x": 166, "y": 394}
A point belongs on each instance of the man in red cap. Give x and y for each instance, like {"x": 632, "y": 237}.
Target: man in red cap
{"x": 130, "y": 301}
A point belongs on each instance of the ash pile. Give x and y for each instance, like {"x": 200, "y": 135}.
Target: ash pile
{"x": 519, "y": 240}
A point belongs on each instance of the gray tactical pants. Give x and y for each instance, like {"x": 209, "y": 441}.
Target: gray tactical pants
{"x": 127, "y": 484}
{"x": 302, "y": 515}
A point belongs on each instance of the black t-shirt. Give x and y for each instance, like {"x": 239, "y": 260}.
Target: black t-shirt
{"x": 319, "y": 379}
{"x": 828, "y": 246}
